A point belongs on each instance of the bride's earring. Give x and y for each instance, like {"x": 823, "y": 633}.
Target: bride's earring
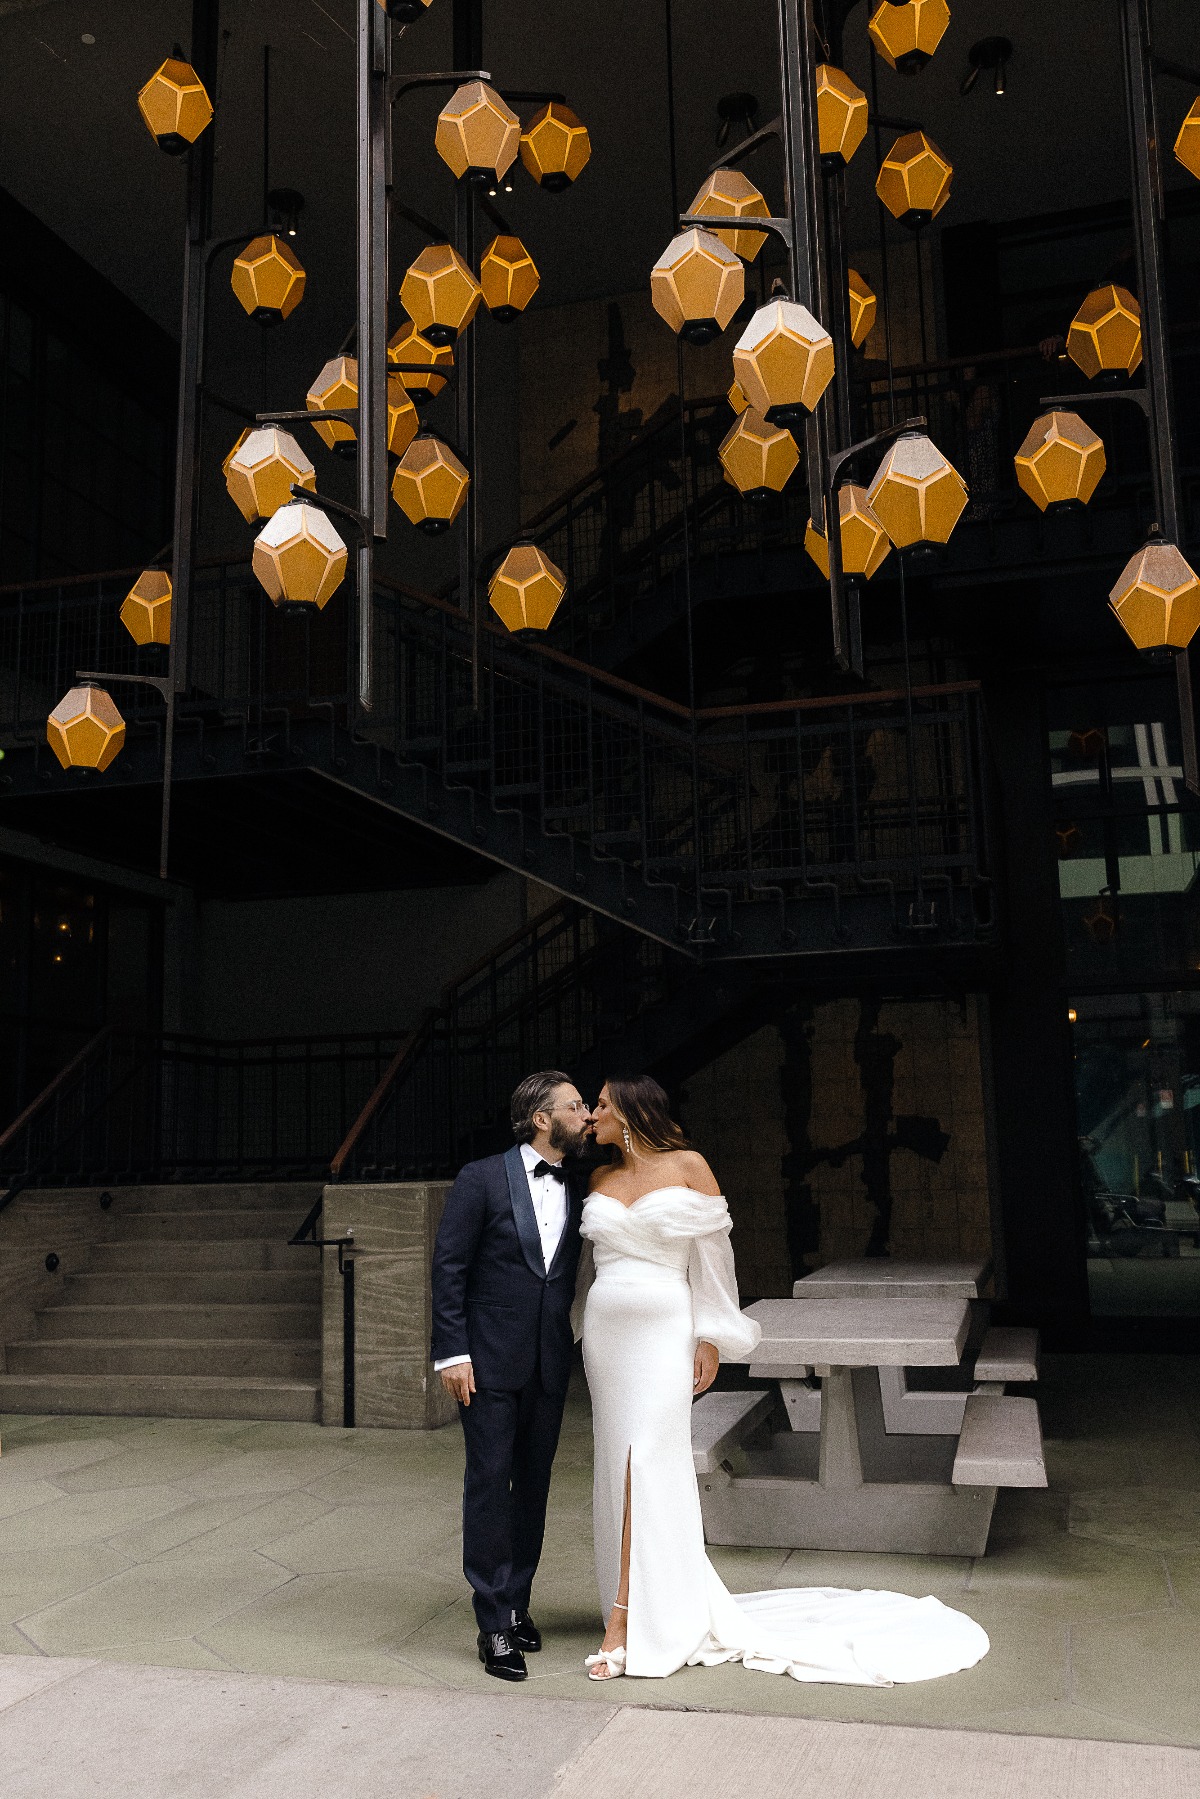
{"x": 628, "y": 1140}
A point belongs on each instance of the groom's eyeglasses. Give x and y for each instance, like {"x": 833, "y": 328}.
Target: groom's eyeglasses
{"x": 573, "y": 1105}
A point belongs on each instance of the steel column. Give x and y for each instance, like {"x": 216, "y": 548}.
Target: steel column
{"x": 205, "y": 23}
{"x": 374, "y": 51}
{"x": 1148, "y": 212}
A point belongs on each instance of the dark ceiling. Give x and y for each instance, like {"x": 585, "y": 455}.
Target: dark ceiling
{"x": 73, "y": 150}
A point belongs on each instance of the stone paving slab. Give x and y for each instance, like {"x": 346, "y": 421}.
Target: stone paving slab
{"x": 118, "y": 1732}
{"x": 672, "y": 1755}
{"x": 72, "y": 1727}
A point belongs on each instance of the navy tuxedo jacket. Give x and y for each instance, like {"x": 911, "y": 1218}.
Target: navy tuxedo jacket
{"x": 493, "y": 1297}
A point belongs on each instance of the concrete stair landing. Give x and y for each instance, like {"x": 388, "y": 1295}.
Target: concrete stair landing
{"x": 193, "y": 1307}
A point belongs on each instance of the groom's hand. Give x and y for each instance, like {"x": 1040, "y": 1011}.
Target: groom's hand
{"x": 459, "y": 1382}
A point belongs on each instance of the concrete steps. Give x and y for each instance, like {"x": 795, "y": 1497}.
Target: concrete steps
{"x": 221, "y": 1286}
{"x": 256, "y": 1322}
{"x": 163, "y": 1396}
{"x": 193, "y": 1306}
{"x": 129, "y": 1255}
{"x": 293, "y": 1358}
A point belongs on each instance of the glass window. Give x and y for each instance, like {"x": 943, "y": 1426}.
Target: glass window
{"x": 1137, "y": 1091}
{"x": 1127, "y": 833}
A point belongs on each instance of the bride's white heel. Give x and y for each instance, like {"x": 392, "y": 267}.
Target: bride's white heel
{"x": 612, "y": 1660}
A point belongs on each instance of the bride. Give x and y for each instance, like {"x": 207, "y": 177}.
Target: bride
{"x": 660, "y": 1308}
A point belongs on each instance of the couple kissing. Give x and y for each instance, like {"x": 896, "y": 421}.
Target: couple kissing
{"x": 534, "y": 1251}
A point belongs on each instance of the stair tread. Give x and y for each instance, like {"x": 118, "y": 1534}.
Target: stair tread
{"x": 166, "y": 1342}
{"x": 220, "y": 1381}
{"x": 183, "y": 1305}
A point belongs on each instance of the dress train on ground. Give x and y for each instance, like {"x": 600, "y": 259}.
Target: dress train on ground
{"x": 658, "y": 1277}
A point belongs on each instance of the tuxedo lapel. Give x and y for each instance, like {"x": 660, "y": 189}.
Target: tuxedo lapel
{"x": 571, "y": 1227}
{"x": 524, "y": 1216}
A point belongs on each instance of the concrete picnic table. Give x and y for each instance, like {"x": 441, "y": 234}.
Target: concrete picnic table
{"x": 898, "y": 1279}
{"x": 869, "y": 1490}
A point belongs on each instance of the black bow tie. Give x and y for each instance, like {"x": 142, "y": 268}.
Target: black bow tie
{"x": 554, "y": 1168}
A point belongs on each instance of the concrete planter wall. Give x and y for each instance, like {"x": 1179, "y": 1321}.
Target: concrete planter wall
{"x": 394, "y": 1225}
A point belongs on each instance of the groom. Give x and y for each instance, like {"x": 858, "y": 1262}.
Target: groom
{"x": 503, "y": 1281}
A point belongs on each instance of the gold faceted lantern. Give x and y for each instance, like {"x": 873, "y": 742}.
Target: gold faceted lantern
{"x": 914, "y": 180}
{"x": 440, "y": 294}
{"x": 728, "y": 194}
{"x": 146, "y": 608}
{"x": 841, "y": 115}
{"x": 262, "y": 469}
{"x": 783, "y": 361}
{"x": 408, "y": 346}
{"x": 268, "y": 280}
{"x": 697, "y": 285}
{"x": 555, "y": 147}
{"x": 736, "y": 397}
{"x": 917, "y": 496}
{"x": 863, "y": 307}
{"x": 1105, "y": 337}
{"x": 85, "y": 730}
{"x": 336, "y": 386}
{"x": 1060, "y": 462}
{"x": 299, "y": 558}
{"x": 430, "y": 485}
{"x": 230, "y": 454}
{"x": 907, "y": 34}
{"x": 404, "y": 12}
{"x": 526, "y": 589}
{"x": 865, "y": 544}
{"x": 403, "y": 422}
{"x": 1157, "y": 600}
{"x": 477, "y": 134}
{"x": 758, "y": 458}
{"x": 508, "y": 277}
{"x": 175, "y": 107}
{"x": 1187, "y": 144}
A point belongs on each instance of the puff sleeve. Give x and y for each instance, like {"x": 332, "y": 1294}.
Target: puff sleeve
{"x": 716, "y": 1314}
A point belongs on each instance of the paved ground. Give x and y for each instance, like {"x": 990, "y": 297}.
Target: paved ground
{"x": 74, "y": 1727}
{"x": 288, "y": 1550}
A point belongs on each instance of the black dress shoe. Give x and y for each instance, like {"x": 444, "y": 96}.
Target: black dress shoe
{"x": 501, "y": 1657}
{"x": 525, "y": 1634}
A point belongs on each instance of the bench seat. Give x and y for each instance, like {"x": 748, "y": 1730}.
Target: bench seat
{"x": 721, "y": 1420}
{"x": 1001, "y": 1443}
{"x": 1009, "y": 1353}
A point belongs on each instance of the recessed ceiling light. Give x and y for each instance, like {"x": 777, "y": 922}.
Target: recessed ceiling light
{"x": 88, "y": 38}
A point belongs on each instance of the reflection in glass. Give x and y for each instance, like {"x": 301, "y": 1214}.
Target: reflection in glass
{"x": 1137, "y": 1087}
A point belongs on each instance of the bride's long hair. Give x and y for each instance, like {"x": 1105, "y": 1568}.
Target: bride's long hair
{"x": 643, "y": 1108}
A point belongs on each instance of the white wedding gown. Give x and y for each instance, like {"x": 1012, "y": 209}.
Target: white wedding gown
{"x": 657, "y": 1276}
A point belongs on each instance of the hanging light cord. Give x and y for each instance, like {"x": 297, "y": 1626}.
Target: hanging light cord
{"x": 686, "y": 490}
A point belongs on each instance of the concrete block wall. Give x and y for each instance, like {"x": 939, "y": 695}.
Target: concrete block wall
{"x": 57, "y": 1221}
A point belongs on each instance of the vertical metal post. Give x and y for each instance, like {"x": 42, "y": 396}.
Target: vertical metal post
{"x": 348, "y": 1384}
{"x": 467, "y": 34}
{"x": 810, "y": 286}
{"x": 1148, "y": 212}
{"x": 205, "y": 16}
{"x": 374, "y": 50}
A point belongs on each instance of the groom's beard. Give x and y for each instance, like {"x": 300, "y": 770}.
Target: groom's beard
{"x": 570, "y": 1138}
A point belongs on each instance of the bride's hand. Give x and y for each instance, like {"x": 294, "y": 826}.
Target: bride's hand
{"x": 707, "y": 1362}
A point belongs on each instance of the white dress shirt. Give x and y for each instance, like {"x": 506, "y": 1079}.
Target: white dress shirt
{"x": 549, "y": 1195}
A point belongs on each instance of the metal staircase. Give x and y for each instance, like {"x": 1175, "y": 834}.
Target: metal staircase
{"x": 620, "y": 533}
{"x": 810, "y": 825}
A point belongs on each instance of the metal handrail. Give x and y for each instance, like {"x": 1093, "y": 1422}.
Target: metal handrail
{"x": 382, "y": 1089}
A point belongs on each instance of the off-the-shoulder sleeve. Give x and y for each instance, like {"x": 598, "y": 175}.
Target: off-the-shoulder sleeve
{"x": 583, "y": 1286}
{"x": 716, "y": 1315}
